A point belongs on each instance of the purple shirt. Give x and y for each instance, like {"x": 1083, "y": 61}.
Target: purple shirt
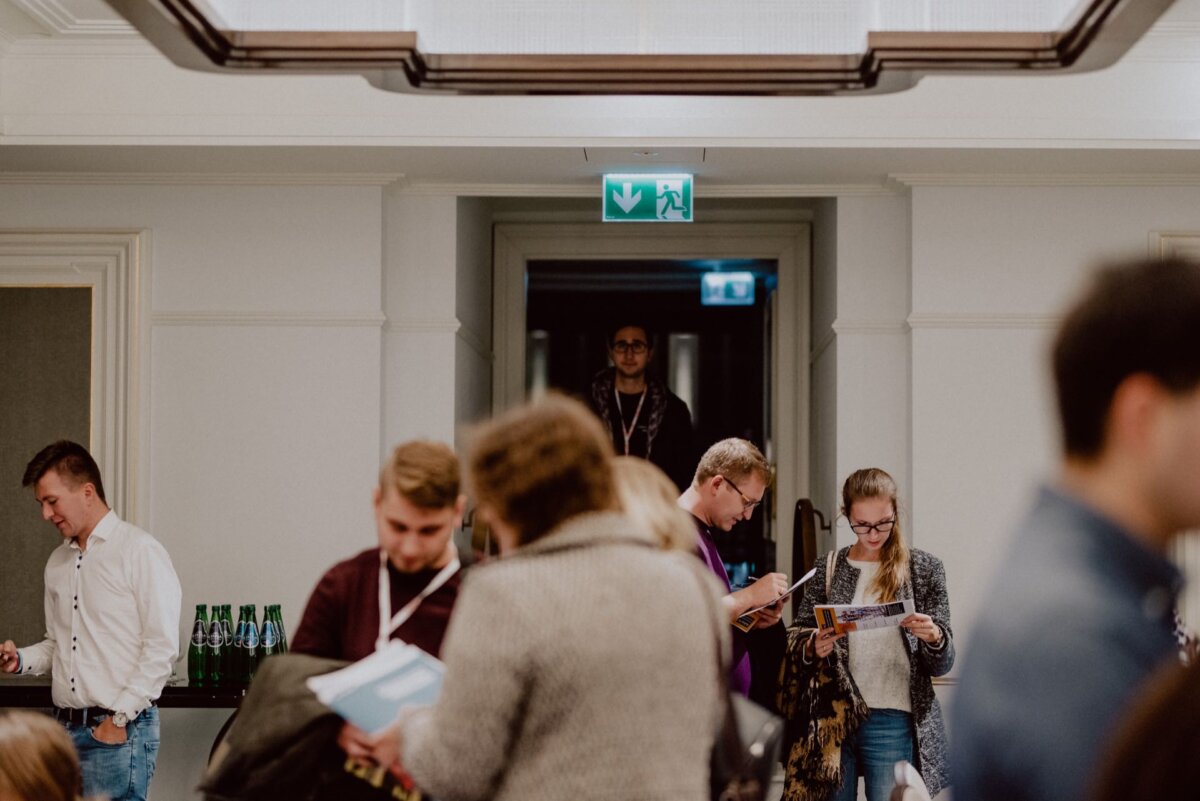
{"x": 706, "y": 549}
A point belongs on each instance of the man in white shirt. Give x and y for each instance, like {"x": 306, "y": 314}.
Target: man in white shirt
{"x": 112, "y": 625}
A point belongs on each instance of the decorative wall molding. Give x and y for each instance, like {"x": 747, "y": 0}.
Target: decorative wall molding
{"x": 113, "y": 264}
{"x": 198, "y": 179}
{"x": 1168, "y": 42}
{"x": 1168, "y": 244}
{"x": 980, "y": 321}
{"x": 821, "y": 345}
{"x": 422, "y": 327}
{"x": 473, "y": 340}
{"x": 841, "y": 326}
{"x": 703, "y": 190}
{"x": 296, "y": 319}
{"x": 61, "y": 20}
{"x": 1046, "y": 179}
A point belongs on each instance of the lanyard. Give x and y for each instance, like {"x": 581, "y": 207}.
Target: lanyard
{"x": 386, "y": 627}
{"x": 628, "y": 432}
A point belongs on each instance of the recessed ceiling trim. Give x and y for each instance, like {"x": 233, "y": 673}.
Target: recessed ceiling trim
{"x": 1103, "y": 31}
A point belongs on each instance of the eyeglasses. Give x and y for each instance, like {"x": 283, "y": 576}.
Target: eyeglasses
{"x": 747, "y": 502}
{"x": 883, "y": 527}
{"x": 637, "y": 347}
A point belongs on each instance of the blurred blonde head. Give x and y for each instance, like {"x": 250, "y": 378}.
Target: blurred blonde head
{"x": 37, "y": 759}
{"x": 649, "y": 498}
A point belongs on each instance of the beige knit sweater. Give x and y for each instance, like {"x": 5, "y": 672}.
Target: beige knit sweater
{"x": 580, "y": 667}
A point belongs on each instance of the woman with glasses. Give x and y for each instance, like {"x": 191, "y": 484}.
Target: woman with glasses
{"x": 885, "y": 674}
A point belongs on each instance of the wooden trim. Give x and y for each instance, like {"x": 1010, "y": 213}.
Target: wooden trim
{"x": 894, "y": 60}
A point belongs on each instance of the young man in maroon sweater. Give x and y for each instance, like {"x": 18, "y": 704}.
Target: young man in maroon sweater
{"x": 406, "y": 587}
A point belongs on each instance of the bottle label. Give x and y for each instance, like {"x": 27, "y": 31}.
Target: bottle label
{"x": 214, "y": 636}
{"x": 268, "y": 637}
{"x": 251, "y": 640}
{"x": 199, "y": 637}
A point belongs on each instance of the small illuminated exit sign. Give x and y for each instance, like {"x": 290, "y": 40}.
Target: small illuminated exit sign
{"x": 647, "y": 197}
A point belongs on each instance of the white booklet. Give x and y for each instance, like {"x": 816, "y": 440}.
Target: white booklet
{"x": 747, "y": 619}
{"x": 846, "y": 618}
{"x": 373, "y": 691}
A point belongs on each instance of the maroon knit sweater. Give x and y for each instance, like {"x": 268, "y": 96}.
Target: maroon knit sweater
{"x": 341, "y": 620}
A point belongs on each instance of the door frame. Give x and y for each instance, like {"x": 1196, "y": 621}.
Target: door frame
{"x": 788, "y": 244}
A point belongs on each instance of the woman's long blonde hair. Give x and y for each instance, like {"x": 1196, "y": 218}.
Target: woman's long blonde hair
{"x": 648, "y": 497}
{"x": 37, "y": 759}
{"x": 871, "y": 482}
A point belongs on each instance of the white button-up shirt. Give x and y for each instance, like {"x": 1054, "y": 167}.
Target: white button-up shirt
{"x": 112, "y": 620}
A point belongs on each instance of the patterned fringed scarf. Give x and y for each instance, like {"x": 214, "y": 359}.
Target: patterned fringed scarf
{"x": 821, "y": 707}
{"x": 603, "y": 385}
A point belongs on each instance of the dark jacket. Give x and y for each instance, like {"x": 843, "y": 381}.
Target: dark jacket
{"x": 664, "y": 426}
{"x": 927, "y": 587}
{"x": 279, "y": 744}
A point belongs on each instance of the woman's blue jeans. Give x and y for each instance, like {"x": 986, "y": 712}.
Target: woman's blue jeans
{"x": 884, "y": 738}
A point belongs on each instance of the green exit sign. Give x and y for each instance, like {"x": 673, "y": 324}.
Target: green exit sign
{"x": 647, "y": 198}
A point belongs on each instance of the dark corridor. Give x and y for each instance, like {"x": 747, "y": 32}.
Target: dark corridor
{"x": 571, "y": 304}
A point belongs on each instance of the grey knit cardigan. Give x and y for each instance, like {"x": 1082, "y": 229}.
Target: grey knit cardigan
{"x": 583, "y": 666}
{"x": 927, "y": 588}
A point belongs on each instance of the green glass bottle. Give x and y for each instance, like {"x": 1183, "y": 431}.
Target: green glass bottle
{"x": 226, "y": 643}
{"x": 280, "y": 631}
{"x": 239, "y": 637}
{"x": 250, "y": 646}
{"x": 214, "y": 655}
{"x": 197, "y": 649}
{"x": 270, "y": 635}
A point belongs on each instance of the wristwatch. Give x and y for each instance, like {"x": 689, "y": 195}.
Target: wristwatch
{"x": 120, "y": 720}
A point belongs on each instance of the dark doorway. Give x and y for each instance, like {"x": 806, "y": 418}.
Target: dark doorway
{"x": 715, "y": 357}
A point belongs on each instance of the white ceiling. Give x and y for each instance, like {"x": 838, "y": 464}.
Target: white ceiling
{"x": 571, "y": 168}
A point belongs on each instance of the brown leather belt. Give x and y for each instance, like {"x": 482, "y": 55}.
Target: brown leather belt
{"x": 81, "y": 717}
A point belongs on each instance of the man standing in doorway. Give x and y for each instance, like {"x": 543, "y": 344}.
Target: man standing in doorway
{"x": 404, "y": 588}
{"x": 728, "y": 486}
{"x": 644, "y": 417}
{"x": 1081, "y": 613}
{"x": 112, "y": 626}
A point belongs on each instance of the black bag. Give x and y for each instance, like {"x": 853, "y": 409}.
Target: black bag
{"x": 745, "y": 752}
{"x": 747, "y": 745}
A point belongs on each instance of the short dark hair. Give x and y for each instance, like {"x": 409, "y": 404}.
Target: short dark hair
{"x": 627, "y": 322}
{"x": 542, "y": 463}
{"x": 424, "y": 472}
{"x": 70, "y": 460}
{"x": 1138, "y": 317}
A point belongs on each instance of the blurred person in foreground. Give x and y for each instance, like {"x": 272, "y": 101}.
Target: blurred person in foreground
{"x": 1153, "y": 753}
{"x": 580, "y": 665}
{"x": 1081, "y": 613}
{"x": 37, "y": 759}
{"x": 647, "y": 495}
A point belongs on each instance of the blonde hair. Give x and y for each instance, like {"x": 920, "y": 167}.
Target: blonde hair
{"x": 423, "y": 472}
{"x": 37, "y": 759}
{"x": 871, "y": 482}
{"x": 541, "y": 464}
{"x": 733, "y": 458}
{"x": 649, "y": 498}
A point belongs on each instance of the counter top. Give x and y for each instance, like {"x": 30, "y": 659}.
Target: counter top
{"x": 34, "y": 692}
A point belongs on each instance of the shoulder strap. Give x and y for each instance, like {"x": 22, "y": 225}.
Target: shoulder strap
{"x": 829, "y": 573}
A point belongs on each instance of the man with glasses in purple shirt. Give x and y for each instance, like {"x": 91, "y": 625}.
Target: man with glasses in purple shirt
{"x": 728, "y": 486}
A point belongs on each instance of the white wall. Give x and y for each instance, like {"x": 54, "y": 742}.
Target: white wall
{"x": 473, "y": 346}
{"x": 267, "y": 378}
